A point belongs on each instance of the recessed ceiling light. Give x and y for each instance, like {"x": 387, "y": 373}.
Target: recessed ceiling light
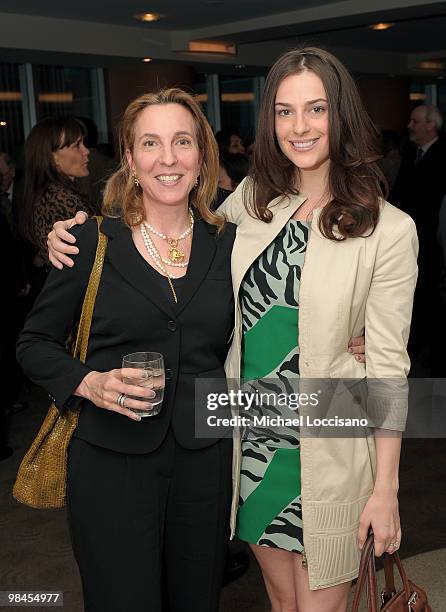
{"x": 381, "y": 26}
{"x": 148, "y": 16}
{"x": 2, "y": 123}
{"x": 146, "y": 59}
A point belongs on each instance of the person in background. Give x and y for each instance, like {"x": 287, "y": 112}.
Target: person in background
{"x": 419, "y": 190}
{"x": 442, "y": 241}
{"x": 391, "y": 160}
{"x": 100, "y": 166}
{"x": 55, "y": 156}
{"x": 7, "y": 173}
{"x": 229, "y": 141}
{"x": 438, "y": 366}
{"x": 421, "y": 183}
{"x": 234, "y": 168}
{"x": 249, "y": 145}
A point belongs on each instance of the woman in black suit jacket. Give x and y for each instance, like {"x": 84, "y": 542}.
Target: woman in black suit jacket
{"x": 148, "y": 502}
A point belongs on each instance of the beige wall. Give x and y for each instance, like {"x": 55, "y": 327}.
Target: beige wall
{"x": 387, "y": 101}
{"x": 124, "y": 84}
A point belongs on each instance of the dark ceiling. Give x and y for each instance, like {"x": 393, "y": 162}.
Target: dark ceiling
{"x": 179, "y": 14}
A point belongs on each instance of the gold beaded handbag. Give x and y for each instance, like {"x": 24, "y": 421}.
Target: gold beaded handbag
{"x": 42, "y": 475}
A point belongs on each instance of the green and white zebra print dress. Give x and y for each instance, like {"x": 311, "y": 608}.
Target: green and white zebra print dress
{"x": 270, "y": 502}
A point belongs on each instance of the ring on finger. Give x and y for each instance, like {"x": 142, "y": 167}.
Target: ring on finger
{"x": 394, "y": 544}
{"x": 121, "y": 399}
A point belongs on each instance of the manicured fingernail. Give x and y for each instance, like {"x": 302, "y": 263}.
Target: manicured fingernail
{"x": 350, "y": 350}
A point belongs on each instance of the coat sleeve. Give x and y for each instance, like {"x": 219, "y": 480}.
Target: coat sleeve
{"x": 233, "y": 208}
{"x": 387, "y": 325}
{"x": 41, "y": 348}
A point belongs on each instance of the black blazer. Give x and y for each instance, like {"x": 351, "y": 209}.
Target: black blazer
{"x": 419, "y": 188}
{"x": 134, "y": 312}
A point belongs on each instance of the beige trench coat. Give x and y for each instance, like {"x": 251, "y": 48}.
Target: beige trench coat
{"x": 346, "y": 288}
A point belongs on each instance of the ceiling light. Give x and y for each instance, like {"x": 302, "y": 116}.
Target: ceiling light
{"x": 381, "y": 26}
{"x": 247, "y": 96}
{"x": 56, "y": 98}
{"x": 148, "y": 16}
{"x": 10, "y": 96}
{"x": 2, "y": 123}
{"x": 212, "y": 46}
{"x": 146, "y": 59}
{"x": 432, "y": 65}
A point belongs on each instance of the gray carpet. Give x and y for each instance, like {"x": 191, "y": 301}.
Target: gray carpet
{"x": 35, "y": 552}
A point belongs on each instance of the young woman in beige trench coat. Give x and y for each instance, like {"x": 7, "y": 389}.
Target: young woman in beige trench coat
{"x": 314, "y": 176}
{"x": 316, "y": 239}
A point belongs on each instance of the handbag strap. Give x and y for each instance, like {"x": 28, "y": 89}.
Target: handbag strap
{"x": 389, "y": 561}
{"x": 367, "y": 573}
{"x": 83, "y": 330}
{"x": 367, "y": 576}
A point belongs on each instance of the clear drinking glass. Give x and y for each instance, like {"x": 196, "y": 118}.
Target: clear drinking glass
{"x": 151, "y": 367}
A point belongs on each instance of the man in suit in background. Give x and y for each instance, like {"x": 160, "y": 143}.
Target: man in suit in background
{"x": 419, "y": 190}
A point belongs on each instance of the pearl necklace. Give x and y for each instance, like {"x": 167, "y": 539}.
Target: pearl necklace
{"x": 175, "y": 254}
{"x": 164, "y": 237}
{"x": 154, "y": 254}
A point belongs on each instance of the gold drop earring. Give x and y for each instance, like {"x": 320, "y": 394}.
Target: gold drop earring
{"x": 135, "y": 178}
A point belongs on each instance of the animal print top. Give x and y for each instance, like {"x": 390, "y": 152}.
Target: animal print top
{"x": 270, "y": 307}
{"x": 57, "y": 203}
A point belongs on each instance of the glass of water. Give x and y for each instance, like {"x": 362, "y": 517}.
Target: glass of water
{"x": 150, "y": 368}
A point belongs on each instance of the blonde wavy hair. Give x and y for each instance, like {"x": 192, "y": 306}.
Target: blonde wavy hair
{"x": 121, "y": 193}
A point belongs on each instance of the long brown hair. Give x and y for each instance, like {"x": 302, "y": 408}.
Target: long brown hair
{"x": 122, "y": 194}
{"x": 46, "y": 137}
{"x": 355, "y": 181}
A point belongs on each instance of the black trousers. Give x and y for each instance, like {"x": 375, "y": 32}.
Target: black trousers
{"x": 149, "y": 532}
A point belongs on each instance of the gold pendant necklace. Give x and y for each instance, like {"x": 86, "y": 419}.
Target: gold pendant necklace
{"x": 175, "y": 254}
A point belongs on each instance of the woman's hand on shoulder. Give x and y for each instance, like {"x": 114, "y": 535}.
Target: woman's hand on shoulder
{"x": 61, "y": 243}
{"x": 104, "y": 388}
{"x": 381, "y": 513}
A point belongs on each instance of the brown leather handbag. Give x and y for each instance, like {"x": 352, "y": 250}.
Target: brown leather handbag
{"x": 411, "y": 598}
